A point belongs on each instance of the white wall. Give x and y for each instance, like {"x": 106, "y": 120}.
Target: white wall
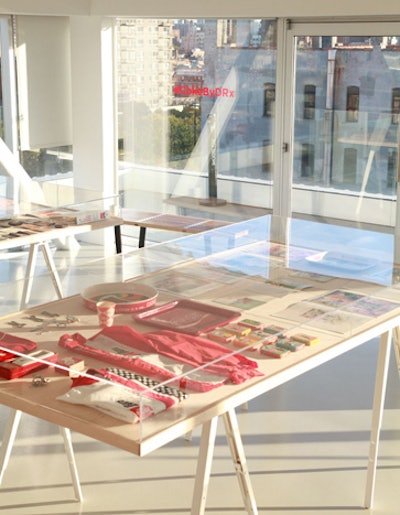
{"x": 44, "y": 85}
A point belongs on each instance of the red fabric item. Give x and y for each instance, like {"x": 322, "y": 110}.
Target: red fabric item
{"x": 78, "y": 343}
{"x": 184, "y": 348}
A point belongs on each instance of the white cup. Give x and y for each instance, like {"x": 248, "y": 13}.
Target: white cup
{"x": 106, "y": 312}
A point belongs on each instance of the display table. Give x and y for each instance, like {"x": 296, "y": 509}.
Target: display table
{"x": 166, "y": 222}
{"x": 16, "y": 236}
{"x": 335, "y": 286}
{"x": 227, "y": 210}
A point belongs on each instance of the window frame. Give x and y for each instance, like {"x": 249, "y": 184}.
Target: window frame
{"x": 315, "y": 27}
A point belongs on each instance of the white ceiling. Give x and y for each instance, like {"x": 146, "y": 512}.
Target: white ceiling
{"x": 203, "y": 9}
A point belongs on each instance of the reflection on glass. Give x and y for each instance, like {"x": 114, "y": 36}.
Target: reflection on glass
{"x": 347, "y": 98}
{"x": 173, "y": 75}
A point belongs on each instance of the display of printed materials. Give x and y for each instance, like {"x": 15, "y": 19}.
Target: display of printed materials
{"x": 356, "y": 303}
{"x": 372, "y": 307}
{"x": 266, "y": 337}
{"x": 337, "y": 298}
{"x": 322, "y": 317}
{"x": 249, "y": 294}
{"x": 241, "y": 302}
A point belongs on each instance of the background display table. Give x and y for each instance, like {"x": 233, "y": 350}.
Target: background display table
{"x": 14, "y": 236}
{"x": 167, "y": 222}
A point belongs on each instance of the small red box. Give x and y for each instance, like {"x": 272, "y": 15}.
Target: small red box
{"x": 4, "y": 355}
{"x": 22, "y": 365}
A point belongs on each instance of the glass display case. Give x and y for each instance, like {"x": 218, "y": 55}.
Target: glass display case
{"x": 54, "y": 203}
{"x": 155, "y": 342}
{"x": 247, "y": 293}
{"x": 62, "y": 214}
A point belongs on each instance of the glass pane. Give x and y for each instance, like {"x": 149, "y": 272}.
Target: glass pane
{"x": 195, "y": 113}
{"x": 347, "y": 105}
{"x": 48, "y": 162}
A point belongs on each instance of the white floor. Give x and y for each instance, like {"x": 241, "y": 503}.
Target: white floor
{"x": 306, "y": 444}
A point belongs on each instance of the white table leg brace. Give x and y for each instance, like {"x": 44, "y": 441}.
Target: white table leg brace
{"x": 206, "y": 451}
{"x": 239, "y": 460}
{"x": 8, "y": 441}
{"x": 202, "y": 479}
{"x": 377, "y": 414}
{"x": 30, "y": 271}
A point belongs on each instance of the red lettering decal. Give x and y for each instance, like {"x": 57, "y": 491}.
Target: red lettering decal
{"x": 183, "y": 89}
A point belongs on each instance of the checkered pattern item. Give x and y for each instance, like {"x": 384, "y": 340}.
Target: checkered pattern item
{"x": 146, "y": 381}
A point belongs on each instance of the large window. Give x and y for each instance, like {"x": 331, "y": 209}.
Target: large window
{"x": 346, "y": 109}
{"x": 216, "y": 109}
{"x": 189, "y": 89}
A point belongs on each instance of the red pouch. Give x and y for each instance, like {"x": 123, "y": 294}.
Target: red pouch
{"x": 9, "y": 342}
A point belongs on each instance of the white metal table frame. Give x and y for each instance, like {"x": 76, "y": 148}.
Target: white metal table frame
{"x": 208, "y": 435}
{"x": 30, "y": 271}
{"x": 10, "y": 434}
